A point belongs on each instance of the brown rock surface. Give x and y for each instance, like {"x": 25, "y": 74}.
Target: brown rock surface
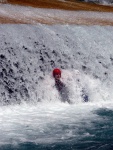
{"x": 63, "y": 5}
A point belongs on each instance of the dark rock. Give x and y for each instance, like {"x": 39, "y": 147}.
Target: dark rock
{"x": 84, "y": 67}
{"x": 105, "y": 73}
{"x": 78, "y": 53}
{"x": 2, "y": 56}
{"x": 1, "y": 74}
{"x": 16, "y": 64}
{"x": 9, "y": 89}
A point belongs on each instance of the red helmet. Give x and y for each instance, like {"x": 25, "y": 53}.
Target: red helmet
{"x": 56, "y": 72}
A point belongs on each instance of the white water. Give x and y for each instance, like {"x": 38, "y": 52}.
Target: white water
{"x": 82, "y": 48}
{"x": 48, "y": 122}
{"x": 84, "y": 53}
{"x": 44, "y": 122}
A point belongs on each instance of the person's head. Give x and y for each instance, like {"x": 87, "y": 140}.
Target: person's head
{"x": 57, "y": 74}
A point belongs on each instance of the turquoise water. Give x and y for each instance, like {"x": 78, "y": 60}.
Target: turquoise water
{"x": 99, "y": 136}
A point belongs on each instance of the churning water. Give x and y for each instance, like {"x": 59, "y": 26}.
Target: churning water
{"x": 32, "y": 114}
{"x": 57, "y": 126}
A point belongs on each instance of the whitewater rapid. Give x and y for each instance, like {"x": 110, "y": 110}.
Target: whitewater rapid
{"x": 29, "y": 54}
{"x": 49, "y": 123}
{"x": 31, "y": 110}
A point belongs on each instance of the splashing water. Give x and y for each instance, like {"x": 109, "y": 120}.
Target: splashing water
{"x": 33, "y": 116}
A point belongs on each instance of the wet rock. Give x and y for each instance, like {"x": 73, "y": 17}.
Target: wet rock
{"x": 25, "y": 48}
{"x": 105, "y": 73}
{"x": 84, "y": 67}
{"x": 16, "y": 64}
{"x": 10, "y": 90}
{"x": 78, "y": 53}
{"x": 52, "y": 63}
{"x": 24, "y": 91}
{"x": 13, "y": 86}
{"x": 42, "y": 59}
{"x": 1, "y": 74}
{"x": 2, "y": 56}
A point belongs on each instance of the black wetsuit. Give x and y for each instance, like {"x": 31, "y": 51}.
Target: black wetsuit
{"x": 85, "y": 95}
{"x": 63, "y": 91}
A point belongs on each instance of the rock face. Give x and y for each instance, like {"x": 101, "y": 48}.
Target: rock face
{"x": 99, "y": 1}
{"x": 12, "y": 85}
{"x": 3, "y": 1}
{"x": 29, "y": 53}
{"x": 25, "y": 62}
